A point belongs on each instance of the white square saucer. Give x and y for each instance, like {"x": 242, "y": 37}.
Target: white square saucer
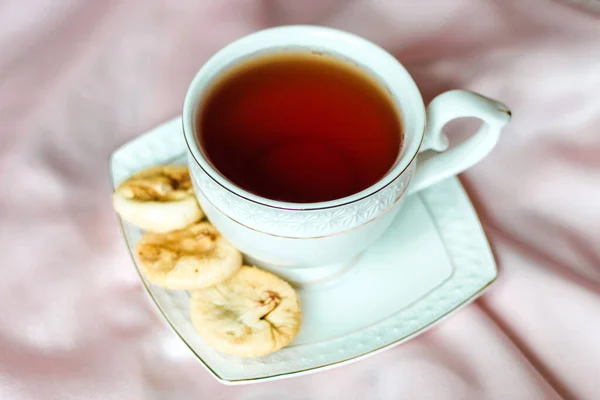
{"x": 433, "y": 260}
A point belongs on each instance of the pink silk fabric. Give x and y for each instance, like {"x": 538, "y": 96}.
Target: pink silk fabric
{"x": 78, "y": 78}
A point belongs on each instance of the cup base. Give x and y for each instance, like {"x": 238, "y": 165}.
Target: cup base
{"x": 303, "y": 276}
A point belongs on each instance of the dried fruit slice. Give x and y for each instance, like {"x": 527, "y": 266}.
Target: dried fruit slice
{"x": 191, "y": 258}
{"x": 158, "y": 199}
{"x": 251, "y": 314}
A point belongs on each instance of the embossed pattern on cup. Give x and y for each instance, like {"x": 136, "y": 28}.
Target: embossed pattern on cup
{"x": 300, "y": 223}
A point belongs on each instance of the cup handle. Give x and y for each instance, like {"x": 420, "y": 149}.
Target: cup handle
{"x": 441, "y": 163}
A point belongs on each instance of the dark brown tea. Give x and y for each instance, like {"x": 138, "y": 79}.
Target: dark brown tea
{"x": 299, "y": 127}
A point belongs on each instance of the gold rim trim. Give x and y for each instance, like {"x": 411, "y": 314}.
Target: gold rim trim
{"x": 297, "y": 372}
{"x": 384, "y": 211}
{"x": 398, "y": 341}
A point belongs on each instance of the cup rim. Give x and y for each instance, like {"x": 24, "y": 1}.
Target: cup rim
{"x": 402, "y": 164}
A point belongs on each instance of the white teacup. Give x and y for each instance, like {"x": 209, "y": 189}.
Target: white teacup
{"x": 308, "y": 242}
